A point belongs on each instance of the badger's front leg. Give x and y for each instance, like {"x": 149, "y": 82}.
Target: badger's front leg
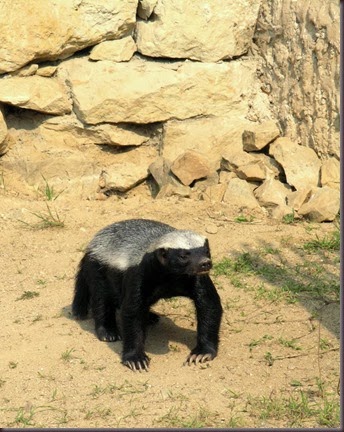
{"x": 209, "y": 313}
{"x": 134, "y": 314}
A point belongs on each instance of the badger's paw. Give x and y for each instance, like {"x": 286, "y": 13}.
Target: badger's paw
{"x": 197, "y": 356}
{"x": 137, "y": 362}
{"x": 108, "y": 335}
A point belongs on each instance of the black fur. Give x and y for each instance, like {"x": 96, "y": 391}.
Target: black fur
{"x": 157, "y": 273}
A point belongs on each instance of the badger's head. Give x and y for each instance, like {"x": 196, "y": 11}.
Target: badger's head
{"x": 183, "y": 252}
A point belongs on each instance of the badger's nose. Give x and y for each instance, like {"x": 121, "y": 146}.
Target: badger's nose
{"x": 205, "y": 265}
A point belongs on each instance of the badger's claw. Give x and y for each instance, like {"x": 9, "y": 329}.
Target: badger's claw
{"x": 198, "y": 358}
{"x": 137, "y": 364}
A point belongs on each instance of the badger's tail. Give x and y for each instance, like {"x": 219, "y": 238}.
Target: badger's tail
{"x": 81, "y": 294}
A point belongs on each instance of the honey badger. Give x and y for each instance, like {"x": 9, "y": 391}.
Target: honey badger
{"x": 129, "y": 266}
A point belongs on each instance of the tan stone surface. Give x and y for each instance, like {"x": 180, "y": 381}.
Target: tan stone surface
{"x": 146, "y": 91}
{"x": 240, "y": 196}
{"x": 49, "y": 29}
{"x": 212, "y": 136}
{"x": 146, "y": 8}
{"x": 330, "y": 173}
{"x": 292, "y": 37}
{"x": 207, "y": 30}
{"x": 322, "y": 206}
{"x": 115, "y": 50}
{"x": 301, "y": 164}
{"x": 36, "y": 93}
{"x": 259, "y": 136}
{"x": 191, "y": 166}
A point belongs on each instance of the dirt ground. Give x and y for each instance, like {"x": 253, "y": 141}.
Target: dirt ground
{"x": 278, "y": 362}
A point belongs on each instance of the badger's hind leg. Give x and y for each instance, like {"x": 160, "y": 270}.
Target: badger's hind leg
{"x": 81, "y": 298}
{"x": 104, "y": 302}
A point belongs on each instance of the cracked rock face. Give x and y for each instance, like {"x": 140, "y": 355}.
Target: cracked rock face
{"x": 218, "y": 30}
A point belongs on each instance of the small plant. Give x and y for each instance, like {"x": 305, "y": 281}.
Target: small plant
{"x": 27, "y": 295}
{"x": 12, "y": 364}
{"x": 49, "y": 191}
{"x": 257, "y": 342}
{"x": 41, "y": 282}
{"x": 51, "y": 219}
{"x": 289, "y": 218}
{"x": 241, "y": 218}
{"x": 269, "y": 359}
{"x": 329, "y": 242}
{"x": 67, "y": 355}
{"x": 24, "y": 416}
{"x": 289, "y": 343}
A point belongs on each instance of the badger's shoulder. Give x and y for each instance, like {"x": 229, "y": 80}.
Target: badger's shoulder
{"x": 123, "y": 244}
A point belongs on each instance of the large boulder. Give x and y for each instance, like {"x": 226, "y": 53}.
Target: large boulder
{"x": 323, "y": 205}
{"x": 208, "y": 31}
{"x": 49, "y": 29}
{"x": 191, "y": 166}
{"x": 147, "y": 91}
{"x": 212, "y": 136}
{"x": 301, "y": 164}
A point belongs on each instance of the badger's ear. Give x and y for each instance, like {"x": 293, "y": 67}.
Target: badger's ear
{"x": 162, "y": 255}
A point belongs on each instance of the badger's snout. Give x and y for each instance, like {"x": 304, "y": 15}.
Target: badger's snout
{"x": 205, "y": 265}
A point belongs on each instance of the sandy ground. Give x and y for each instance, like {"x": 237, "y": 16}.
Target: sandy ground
{"x": 55, "y": 372}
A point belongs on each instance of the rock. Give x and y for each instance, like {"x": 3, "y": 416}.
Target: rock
{"x": 239, "y": 194}
{"x": 3, "y": 133}
{"x": 116, "y": 50}
{"x": 160, "y": 171}
{"x": 26, "y": 71}
{"x": 272, "y": 195}
{"x": 296, "y": 199}
{"x": 211, "y": 136}
{"x": 146, "y": 8}
{"x": 174, "y": 188}
{"x": 259, "y": 136}
{"x": 46, "y": 71}
{"x": 253, "y": 171}
{"x": 214, "y": 193}
{"x": 301, "y": 164}
{"x": 36, "y": 93}
{"x": 322, "y": 206}
{"x": 190, "y": 166}
{"x": 226, "y": 176}
{"x": 206, "y": 31}
{"x": 50, "y": 30}
{"x": 146, "y": 91}
{"x": 232, "y": 158}
{"x": 272, "y": 168}
{"x": 128, "y": 170}
{"x": 244, "y": 165}
{"x": 118, "y": 135}
{"x": 211, "y": 229}
{"x": 330, "y": 173}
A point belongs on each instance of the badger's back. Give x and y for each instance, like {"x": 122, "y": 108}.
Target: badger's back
{"x": 123, "y": 244}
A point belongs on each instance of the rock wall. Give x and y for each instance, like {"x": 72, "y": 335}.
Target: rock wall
{"x": 299, "y": 42}
{"x": 98, "y": 96}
